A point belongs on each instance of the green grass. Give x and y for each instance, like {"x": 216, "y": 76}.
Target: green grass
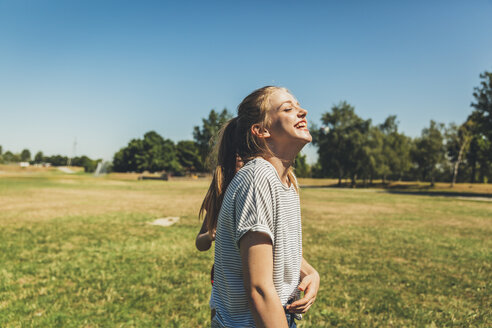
{"x": 76, "y": 251}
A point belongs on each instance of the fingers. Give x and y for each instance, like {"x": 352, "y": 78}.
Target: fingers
{"x": 304, "y": 283}
{"x": 303, "y": 308}
{"x": 303, "y": 304}
{"x": 300, "y": 306}
{"x": 308, "y": 297}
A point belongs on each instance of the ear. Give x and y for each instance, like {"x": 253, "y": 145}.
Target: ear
{"x": 260, "y": 132}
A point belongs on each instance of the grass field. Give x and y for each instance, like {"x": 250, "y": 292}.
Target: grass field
{"x": 76, "y": 251}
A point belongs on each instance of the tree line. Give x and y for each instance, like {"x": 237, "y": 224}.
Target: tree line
{"x": 87, "y": 163}
{"x": 153, "y": 153}
{"x": 351, "y": 147}
{"x": 348, "y": 146}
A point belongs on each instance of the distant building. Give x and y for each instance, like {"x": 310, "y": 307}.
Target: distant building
{"x": 24, "y": 164}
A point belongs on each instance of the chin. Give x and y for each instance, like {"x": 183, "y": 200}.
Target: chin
{"x": 301, "y": 142}
{"x": 306, "y": 141}
{"x": 306, "y": 137}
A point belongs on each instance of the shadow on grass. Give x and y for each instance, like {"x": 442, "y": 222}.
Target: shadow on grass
{"x": 407, "y": 189}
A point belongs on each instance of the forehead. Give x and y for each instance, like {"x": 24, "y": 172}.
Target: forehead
{"x": 279, "y": 97}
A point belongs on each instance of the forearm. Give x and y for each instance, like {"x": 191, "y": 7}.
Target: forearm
{"x": 257, "y": 257}
{"x": 266, "y": 307}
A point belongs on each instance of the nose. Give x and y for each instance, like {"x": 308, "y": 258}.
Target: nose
{"x": 302, "y": 112}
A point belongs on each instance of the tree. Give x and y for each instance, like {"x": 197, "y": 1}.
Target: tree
{"x": 88, "y": 164}
{"x": 458, "y": 140}
{"x": 301, "y": 167}
{"x": 25, "y": 155}
{"x": 483, "y": 104}
{"x": 188, "y": 157}
{"x": 10, "y": 157}
{"x": 56, "y": 160}
{"x": 480, "y": 150}
{"x": 341, "y": 144}
{"x": 396, "y": 149}
{"x": 39, "y": 158}
{"x": 1, "y": 149}
{"x": 152, "y": 153}
{"x": 204, "y": 136}
{"x": 157, "y": 154}
{"x": 375, "y": 162}
{"x": 429, "y": 151}
{"x": 479, "y": 158}
{"x": 125, "y": 160}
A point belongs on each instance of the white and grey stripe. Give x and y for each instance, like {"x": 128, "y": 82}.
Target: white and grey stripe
{"x": 255, "y": 200}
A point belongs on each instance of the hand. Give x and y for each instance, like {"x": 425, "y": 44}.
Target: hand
{"x": 310, "y": 286}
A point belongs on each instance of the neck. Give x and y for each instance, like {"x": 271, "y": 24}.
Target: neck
{"x": 282, "y": 168}
{"x": 282, "y": 160}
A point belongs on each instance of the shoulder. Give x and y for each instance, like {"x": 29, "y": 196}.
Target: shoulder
{"x": 255, "y": 176}
{"x": 257, "y": 170}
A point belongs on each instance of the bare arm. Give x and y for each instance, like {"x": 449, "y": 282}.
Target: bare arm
{"x": 310, "y": 285}
{"x": 257, "y": 260}
{"x": 203, "y": 239}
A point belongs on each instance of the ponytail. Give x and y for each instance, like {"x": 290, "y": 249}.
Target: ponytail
{"x": 225, "y": 168}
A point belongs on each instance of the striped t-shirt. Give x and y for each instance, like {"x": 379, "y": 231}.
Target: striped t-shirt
{"x": 255, "y": 200}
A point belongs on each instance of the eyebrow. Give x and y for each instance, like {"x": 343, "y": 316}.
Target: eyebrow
{"x": 288, "y": 101}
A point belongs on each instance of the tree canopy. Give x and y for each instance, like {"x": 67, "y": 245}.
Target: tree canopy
{"x": 342, "y": 143}
{"x": 204, "y": 135}
{"x": 153, "y": 153}
{"x": 25, "y": 155}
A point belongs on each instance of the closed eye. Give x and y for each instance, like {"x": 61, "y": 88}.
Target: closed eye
{"x": 287, "y": 109}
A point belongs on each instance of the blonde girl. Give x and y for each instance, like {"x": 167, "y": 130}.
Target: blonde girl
{"x": 255, "y": 215}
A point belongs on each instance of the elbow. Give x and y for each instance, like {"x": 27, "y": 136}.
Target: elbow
{"x": 258, "y": 293}
{"x": 201, "y": 246}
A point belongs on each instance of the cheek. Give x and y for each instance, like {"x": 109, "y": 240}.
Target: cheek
{"x": 280, "y": 127}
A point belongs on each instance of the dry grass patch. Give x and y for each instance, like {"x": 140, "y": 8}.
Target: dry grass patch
{"x": 102, "y": 197}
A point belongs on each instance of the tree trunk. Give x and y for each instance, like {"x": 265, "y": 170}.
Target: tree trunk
{"x": 457, "y": 164}
{"x": 354, "y": 177}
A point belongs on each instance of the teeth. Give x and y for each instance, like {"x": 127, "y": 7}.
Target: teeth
{"x": 300, "y": 125}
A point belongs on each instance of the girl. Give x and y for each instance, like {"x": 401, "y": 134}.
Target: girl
{"x": 255, "y": 214}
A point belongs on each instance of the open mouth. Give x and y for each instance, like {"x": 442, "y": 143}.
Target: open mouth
{"x": 301, "y": 125}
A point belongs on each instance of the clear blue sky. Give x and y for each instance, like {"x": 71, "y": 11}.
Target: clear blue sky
{"x": 105, "y": 72}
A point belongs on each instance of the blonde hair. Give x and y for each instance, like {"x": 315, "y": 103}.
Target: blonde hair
{"x": 235, "y": 139}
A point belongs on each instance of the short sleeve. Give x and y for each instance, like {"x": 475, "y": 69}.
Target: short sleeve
{"x": 254, "y": 209}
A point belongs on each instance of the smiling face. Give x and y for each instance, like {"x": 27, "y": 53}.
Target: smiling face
{"x": 288, "y": 124}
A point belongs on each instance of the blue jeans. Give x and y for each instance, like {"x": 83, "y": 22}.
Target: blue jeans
{"x": 290, "y": 320}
